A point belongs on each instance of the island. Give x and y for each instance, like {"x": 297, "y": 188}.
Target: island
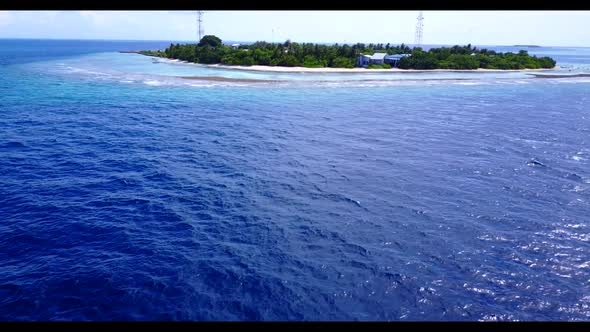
{"x": 211, "y": 50}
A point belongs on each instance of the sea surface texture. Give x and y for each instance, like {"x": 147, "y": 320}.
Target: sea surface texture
{"x": 130, "y": 193}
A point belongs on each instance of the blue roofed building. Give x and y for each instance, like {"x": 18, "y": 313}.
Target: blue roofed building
{"x": 365, "y": 60}
{"x": 393, "y": 59}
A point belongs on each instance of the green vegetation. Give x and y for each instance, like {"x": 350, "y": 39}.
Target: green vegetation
{"x": 154, "y": 53}
{"x": 210, "y": 50}
{"x": 383, "y": 66}
{"x": 468, "y": 57}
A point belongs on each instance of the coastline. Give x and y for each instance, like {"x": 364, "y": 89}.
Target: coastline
{"x": 256, "y": 80}
{"x": 365, "y": 70}
{"x": 279, "y": 69}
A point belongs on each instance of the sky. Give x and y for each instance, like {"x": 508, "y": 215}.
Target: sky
{"x": 544, "y": 28}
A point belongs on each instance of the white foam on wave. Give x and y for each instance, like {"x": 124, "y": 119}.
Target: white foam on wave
{"x": 204, "y": 85}
{"x": 468, "y": 83}
{"x": 512, "y": 82}
{"x": 578, "y": 189}
{"x": 585, "y": 80}
{"x": 208, "y": 84}
{"x": 579, "y": 156}
{"x": 377, "y": 83}
{"x": 570, "y": 80}
{"x": 86, "y": 71}
{"x": 153, "y": 83}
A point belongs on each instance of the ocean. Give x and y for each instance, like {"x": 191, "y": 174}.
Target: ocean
{"x": 130, "y": 193}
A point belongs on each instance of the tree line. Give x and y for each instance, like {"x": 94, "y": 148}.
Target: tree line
{"x": 211, "y": 50}
{"x": 468, "y": 57}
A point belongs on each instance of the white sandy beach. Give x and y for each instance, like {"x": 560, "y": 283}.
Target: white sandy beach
{"x": 354, "y": 70}
{"x": 363, "y": 70}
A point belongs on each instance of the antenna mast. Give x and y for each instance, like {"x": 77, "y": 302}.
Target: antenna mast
{"x": 200, "y": 22}
{"x": 419, "y": 30}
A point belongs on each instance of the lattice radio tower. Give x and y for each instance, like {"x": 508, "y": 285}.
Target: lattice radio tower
{"x": 419, "y": 30}
{"x": 200, "y": 22}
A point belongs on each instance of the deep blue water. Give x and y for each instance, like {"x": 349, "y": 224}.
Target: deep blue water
{"x": 122, "y": 199}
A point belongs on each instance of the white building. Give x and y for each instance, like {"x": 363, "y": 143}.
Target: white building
{"x": 379, "y": 58}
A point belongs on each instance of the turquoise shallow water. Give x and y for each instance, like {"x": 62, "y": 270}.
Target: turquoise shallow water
{"x": 129, "y": 68}
{"x": 130, "y": 194}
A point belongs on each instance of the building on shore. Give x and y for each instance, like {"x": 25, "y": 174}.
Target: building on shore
{"x": 365, "y": 60}
{"x": 377, "y": 59}
{"x": 394, "y": 59}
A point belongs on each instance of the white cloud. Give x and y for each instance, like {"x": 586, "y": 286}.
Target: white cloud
{"x": 183, "y": 12}
{"x": 97, "y": 18}
{"x": 48, "y": 17}
{"x": 5, "y": 18}
{"x": 107, "y": 18}
{"x": 440, "y": 27}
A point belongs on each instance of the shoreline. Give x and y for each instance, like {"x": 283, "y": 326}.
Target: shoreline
{"x": 280, "y": 69}
{"x": 561, "y": 76}
{"x": 372, "y": 80}
{"x": 365, "y": 70}
{"x": 256, "y": 80}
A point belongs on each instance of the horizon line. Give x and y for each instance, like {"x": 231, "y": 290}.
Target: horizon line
{"x": 300, "y": 42}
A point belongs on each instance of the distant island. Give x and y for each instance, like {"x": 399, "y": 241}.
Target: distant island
{"x": 529, "y": 46}
{"x": 211, "y": 50}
